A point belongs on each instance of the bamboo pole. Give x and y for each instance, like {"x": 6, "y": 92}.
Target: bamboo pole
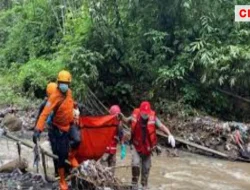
{"x": 195, "y": 145}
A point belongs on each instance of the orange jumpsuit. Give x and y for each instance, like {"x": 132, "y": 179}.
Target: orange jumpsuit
{"x": 62, "y": 107}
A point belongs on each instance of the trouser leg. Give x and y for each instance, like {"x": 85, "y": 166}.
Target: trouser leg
{"x": 74, "y": 137}
{"x": 62, "y": 148}
{"x": 104, "y": 159}
{"x": 136, "y": 162}
{"x": 52, "y": 139}
{"x": 112, "y": 162}
{"x": 146, "y": 165}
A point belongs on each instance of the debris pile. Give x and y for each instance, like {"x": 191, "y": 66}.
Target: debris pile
{"x": 93, "y": 175}
{"x": 231, "y": 138}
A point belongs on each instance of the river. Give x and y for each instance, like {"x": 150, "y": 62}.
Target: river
{"x": 194, "y": 172}
{"x": 186, "y": 172}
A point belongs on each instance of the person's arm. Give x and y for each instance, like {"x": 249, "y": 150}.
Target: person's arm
{"x": 48, "y": 108}
{"x": 41, "y": 107}
{"x": 162, "y": 127}
{"x": 165, "y": 129}
{"x": 126, "y": 120}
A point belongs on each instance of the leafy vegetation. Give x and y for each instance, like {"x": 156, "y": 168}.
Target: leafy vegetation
{"x": 183, "y": 51}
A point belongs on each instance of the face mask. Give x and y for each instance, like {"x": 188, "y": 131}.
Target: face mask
{"x": 63, "y": 87}
{"x": 144, "y": 116}
{"x": 144, "y": 119}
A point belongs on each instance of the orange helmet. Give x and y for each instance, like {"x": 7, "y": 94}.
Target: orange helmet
{"x": 64, "y": 76}
{"x": 51, "y": 87}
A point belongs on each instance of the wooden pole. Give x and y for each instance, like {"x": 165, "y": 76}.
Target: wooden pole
{"x": 44, "y": 166}
{"x": 30, "y": 145}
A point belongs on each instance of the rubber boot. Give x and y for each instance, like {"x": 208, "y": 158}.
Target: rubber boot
{"x": 62, "y": 182}
{"x": 72, "y": 159}
{"x": 135, "y": 177}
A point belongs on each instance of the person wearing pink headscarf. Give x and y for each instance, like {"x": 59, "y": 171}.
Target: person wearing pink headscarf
{"x": 109, "y": 158}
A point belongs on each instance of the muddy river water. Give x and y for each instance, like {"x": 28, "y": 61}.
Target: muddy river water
{"x": 187, "y": 172}
{"x": 195, "y": 172}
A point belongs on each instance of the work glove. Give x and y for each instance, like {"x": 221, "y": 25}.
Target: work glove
{"x": 171, "y": 140}
{"x": 36, "y": 136}
{"x": 123, "y": 151}
{"x": 76, "y": 114}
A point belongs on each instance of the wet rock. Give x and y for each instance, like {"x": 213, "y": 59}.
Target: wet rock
{"x": 11, "y": 166}
{"x": 12, "y": 123}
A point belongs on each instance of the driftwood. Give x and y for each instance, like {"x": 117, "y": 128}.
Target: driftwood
{"x": 21, "y": 164}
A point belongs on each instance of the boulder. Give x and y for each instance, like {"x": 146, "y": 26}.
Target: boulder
{"x": 12, "y": 123}
{"x": 15, "y": 164}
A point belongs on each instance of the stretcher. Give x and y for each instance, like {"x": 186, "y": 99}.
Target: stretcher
{"x": 96, "y": 134}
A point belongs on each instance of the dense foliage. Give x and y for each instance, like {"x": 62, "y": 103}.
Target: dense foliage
{"x": 185, "y": 51}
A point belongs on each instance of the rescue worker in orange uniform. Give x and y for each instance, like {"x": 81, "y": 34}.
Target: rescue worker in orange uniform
{"x": 109, "y": 158}
{"x": 144, "y": 123}
{"x": 61, "y": 103}
{"x": 51, "y": 88}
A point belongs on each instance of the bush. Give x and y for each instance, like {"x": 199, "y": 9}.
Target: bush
{"x": 34, "y": 76}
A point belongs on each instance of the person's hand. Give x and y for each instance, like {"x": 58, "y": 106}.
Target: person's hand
{"x": 36, "y": 136}
{"x": 171, "y": 140}
{"x": 76, "y": 114}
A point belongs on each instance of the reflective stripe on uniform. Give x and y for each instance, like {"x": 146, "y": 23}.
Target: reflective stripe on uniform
{"x": 151, "y": 122}
{"x": 111, "y": 148}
